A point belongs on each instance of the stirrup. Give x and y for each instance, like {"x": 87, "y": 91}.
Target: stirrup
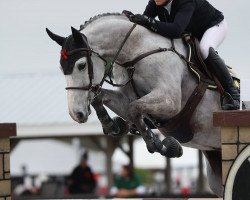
{"x": 229, "y": 103}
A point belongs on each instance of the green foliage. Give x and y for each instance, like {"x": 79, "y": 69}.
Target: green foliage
{"x": 145, "y": 175}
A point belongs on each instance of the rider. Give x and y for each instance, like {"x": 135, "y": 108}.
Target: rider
{"x": 204, "y": 22}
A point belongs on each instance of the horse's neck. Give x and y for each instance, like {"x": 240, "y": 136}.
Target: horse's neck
{"x": 106, "y": 35}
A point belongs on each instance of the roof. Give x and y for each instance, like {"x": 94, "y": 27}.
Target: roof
{"x": 38, "y": 104}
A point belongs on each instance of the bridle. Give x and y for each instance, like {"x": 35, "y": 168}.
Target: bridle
{"x": 90, "y": 87}
{"x": 97, "y": 88}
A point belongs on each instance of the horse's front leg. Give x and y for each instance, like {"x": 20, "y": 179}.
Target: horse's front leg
{"x": 159, "y": 104}
{"x": 118, "y": 103}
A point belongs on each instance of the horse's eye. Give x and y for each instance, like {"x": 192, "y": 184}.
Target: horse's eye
{"x": 81, "y": 66}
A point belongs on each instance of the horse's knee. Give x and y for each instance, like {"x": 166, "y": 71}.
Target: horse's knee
{"x": 134, "y": 110}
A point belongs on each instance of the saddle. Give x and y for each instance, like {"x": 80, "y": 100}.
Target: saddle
{"x": 179, "y": 126}
{"x": 199, "y": 68}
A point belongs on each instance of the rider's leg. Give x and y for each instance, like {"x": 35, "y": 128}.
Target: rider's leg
{"x": 211, "y": 39}
{"x": 217, "y": 65}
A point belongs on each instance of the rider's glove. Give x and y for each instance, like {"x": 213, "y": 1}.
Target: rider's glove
{"x": 143, "y": 20}
{"x": 128, "y": 14}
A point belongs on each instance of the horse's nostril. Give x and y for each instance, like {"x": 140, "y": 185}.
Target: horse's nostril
{"x": 80, "y": 115}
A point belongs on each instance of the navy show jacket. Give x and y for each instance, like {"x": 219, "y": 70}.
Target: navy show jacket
{"x": 194, "y": 16}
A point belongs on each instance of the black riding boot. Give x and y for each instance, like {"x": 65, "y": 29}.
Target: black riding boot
{"x": 231, "y": 99}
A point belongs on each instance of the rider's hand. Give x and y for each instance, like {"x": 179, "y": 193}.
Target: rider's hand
{"x": 145, "y": 21}
{"x": 128, "y": 14}
{"x": 140, "y": 19}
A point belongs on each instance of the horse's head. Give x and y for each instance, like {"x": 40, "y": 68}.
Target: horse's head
{"x": 83, "y": 79}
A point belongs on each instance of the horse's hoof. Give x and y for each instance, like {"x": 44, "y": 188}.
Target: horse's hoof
{"x": 122, "y": 126}
{"x": 173, "y": 148}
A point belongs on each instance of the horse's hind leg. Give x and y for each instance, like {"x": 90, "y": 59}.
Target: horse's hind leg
{"x": 214, "y": 171}
{"x": 155, "y": 103}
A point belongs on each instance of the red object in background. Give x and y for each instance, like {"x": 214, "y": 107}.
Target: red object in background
{"x": 37, "y": 190}
{"x": 185, "y": 191}
{"x": 97, "y": 177}
{"x": 102, "y": 191}
{"x": 88, "y": 175}
{"x": 66, "y": 191}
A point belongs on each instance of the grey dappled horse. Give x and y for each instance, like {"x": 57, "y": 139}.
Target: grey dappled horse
{"x": 163, "y": 82}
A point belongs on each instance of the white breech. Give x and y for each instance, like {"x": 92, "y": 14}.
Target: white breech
{"x": 213, "y": 37}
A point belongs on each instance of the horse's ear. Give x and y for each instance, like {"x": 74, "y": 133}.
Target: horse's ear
{"x": 58, "y": 39}
{"x": 77, "y": 36}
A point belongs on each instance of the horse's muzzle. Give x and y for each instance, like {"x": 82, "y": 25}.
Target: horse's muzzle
{"x": 79, "y": 116}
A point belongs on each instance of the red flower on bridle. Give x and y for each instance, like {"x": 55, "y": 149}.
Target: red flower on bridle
{"x": 64, "y": 54}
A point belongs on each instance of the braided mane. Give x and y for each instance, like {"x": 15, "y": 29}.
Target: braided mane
{"x": 86, "y": 23}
